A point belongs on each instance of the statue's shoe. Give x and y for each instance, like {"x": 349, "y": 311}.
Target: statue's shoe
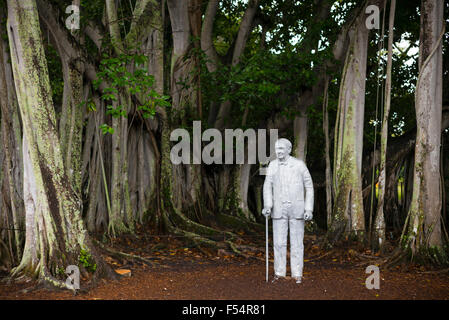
{"x": 298, "y": 279}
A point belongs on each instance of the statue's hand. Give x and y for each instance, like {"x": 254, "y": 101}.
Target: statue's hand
{"x": 266, "y": 211}
{"x": 308, "y": 215}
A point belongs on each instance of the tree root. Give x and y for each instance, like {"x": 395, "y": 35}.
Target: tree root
{"x": 249, "y": 248}
{"x": 208, "y": 241}
{"x": 193, "y": 227}
{"x": 197, "y": 240}
{"x": 436, "y": 271}
{"x": 48, "y": 280}
{"x": 121, "y": 254}
{"x": 239, "y": 223}
{"x": 320, "y": 257}
{"x": 237, "y": 250}
{"x": 41, "y": 274}
{"x": 423, "y": 256}
{"x": 206, "y": 236}
{"x": 333, "y": 235}
{"x": 395, "y": 259}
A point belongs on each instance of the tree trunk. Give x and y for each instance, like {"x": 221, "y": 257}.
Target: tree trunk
{"x": 327, "y": 154}
{"x": 423, "y": 236}
{"x": 240, "y": 178}
{"x": 55, "y": 234}
{"x": 207, "y": 45}
{"x": 71, "y": 118}
{"x": 147, "y": 28}
{"x": 116, "y": 224}
{"x": 71, "y": 123}
{"x": 121, "y": 219}
{"x": 348, "y": 215}
{"x": 187, "y": 187}
{"x": 300, "y": 133}
{"x": 379, "y": 222}
{"x": 240, "y": 44}
{"x": 11, "y": 139}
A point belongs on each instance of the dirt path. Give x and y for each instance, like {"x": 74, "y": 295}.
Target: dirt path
{"x": 188, "y": 278}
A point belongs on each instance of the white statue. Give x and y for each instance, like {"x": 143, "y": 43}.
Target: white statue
{"x": 286, "y": 181}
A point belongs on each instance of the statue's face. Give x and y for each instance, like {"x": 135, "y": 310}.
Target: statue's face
{"x": 281, "y": 151}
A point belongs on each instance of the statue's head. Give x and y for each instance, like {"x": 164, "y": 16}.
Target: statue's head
{"x": 282, "y": 147}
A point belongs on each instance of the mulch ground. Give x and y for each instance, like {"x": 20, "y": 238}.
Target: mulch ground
{"x": 184, "y": 273}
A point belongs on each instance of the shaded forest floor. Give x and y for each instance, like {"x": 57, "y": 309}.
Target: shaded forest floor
{"x": 178, "y": 271}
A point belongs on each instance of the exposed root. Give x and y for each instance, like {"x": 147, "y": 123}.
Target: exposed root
{"x": 47, "y": 279}
{"x": 239, "y": 223}
{"x": 200, "y": 239}
{"x": 237, "y": 250}
{"x": 319, "y": 257}
{"x": 436, "y": 271}
{"x": 42, "y": 275}
{"x": 116, "y": 228}
{"x": 193, "y": 227}
{"x": 197, "y": 239}
{"x": 201, "y": 235}
{"x": 121, "y": 254}
{"x": 334, "y": 234}
{"x": 249, "y": 248}
{"x": 399, "y": 256}
{"x": 25, "y": 269}
{"x": 423, "y": 256}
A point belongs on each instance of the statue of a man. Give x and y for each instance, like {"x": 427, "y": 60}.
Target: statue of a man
{"x": 288, "y": 198}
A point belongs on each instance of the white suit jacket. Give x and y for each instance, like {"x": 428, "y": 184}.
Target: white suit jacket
{"x": 298, "y": 181}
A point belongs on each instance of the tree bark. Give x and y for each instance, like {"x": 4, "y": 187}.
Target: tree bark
{"x": 348, "y": 214}
{"x": 379, "y": 223}
{"x": 300, "y": 130}
{"x": 207, "y": 44}
{"x": 327, "y": 155}
{"x": 55, "y": 234}
{"x": 11, "y": 139}
{"x": 187, "y": 188}
{"x": 424, "y": 225}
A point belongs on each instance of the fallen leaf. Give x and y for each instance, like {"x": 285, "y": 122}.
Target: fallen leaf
{"x": 124, "y": 272}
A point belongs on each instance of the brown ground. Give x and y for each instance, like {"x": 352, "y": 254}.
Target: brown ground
{"x": 188, "y": 274}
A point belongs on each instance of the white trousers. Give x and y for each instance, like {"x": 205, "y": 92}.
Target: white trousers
{"x": 280, "y": 231}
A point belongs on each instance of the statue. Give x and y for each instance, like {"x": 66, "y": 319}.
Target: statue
{"x": 286, "y": 181}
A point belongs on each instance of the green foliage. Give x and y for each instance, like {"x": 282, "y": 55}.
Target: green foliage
{"x": 92, "y": 10}
{"x": 86, "y": 260}
{"x": 126, "y": 75}
{"x": 226, "y": 25}
{"x": 106, "y": 129}
{"x": 263, "y": 82}
{"x": 60, "y": 271}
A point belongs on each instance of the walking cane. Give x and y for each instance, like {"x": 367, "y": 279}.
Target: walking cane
{"x": 266, "y": 246}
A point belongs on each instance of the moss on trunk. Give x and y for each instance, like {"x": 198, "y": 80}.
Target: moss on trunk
{"x": 57, "y": 234}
